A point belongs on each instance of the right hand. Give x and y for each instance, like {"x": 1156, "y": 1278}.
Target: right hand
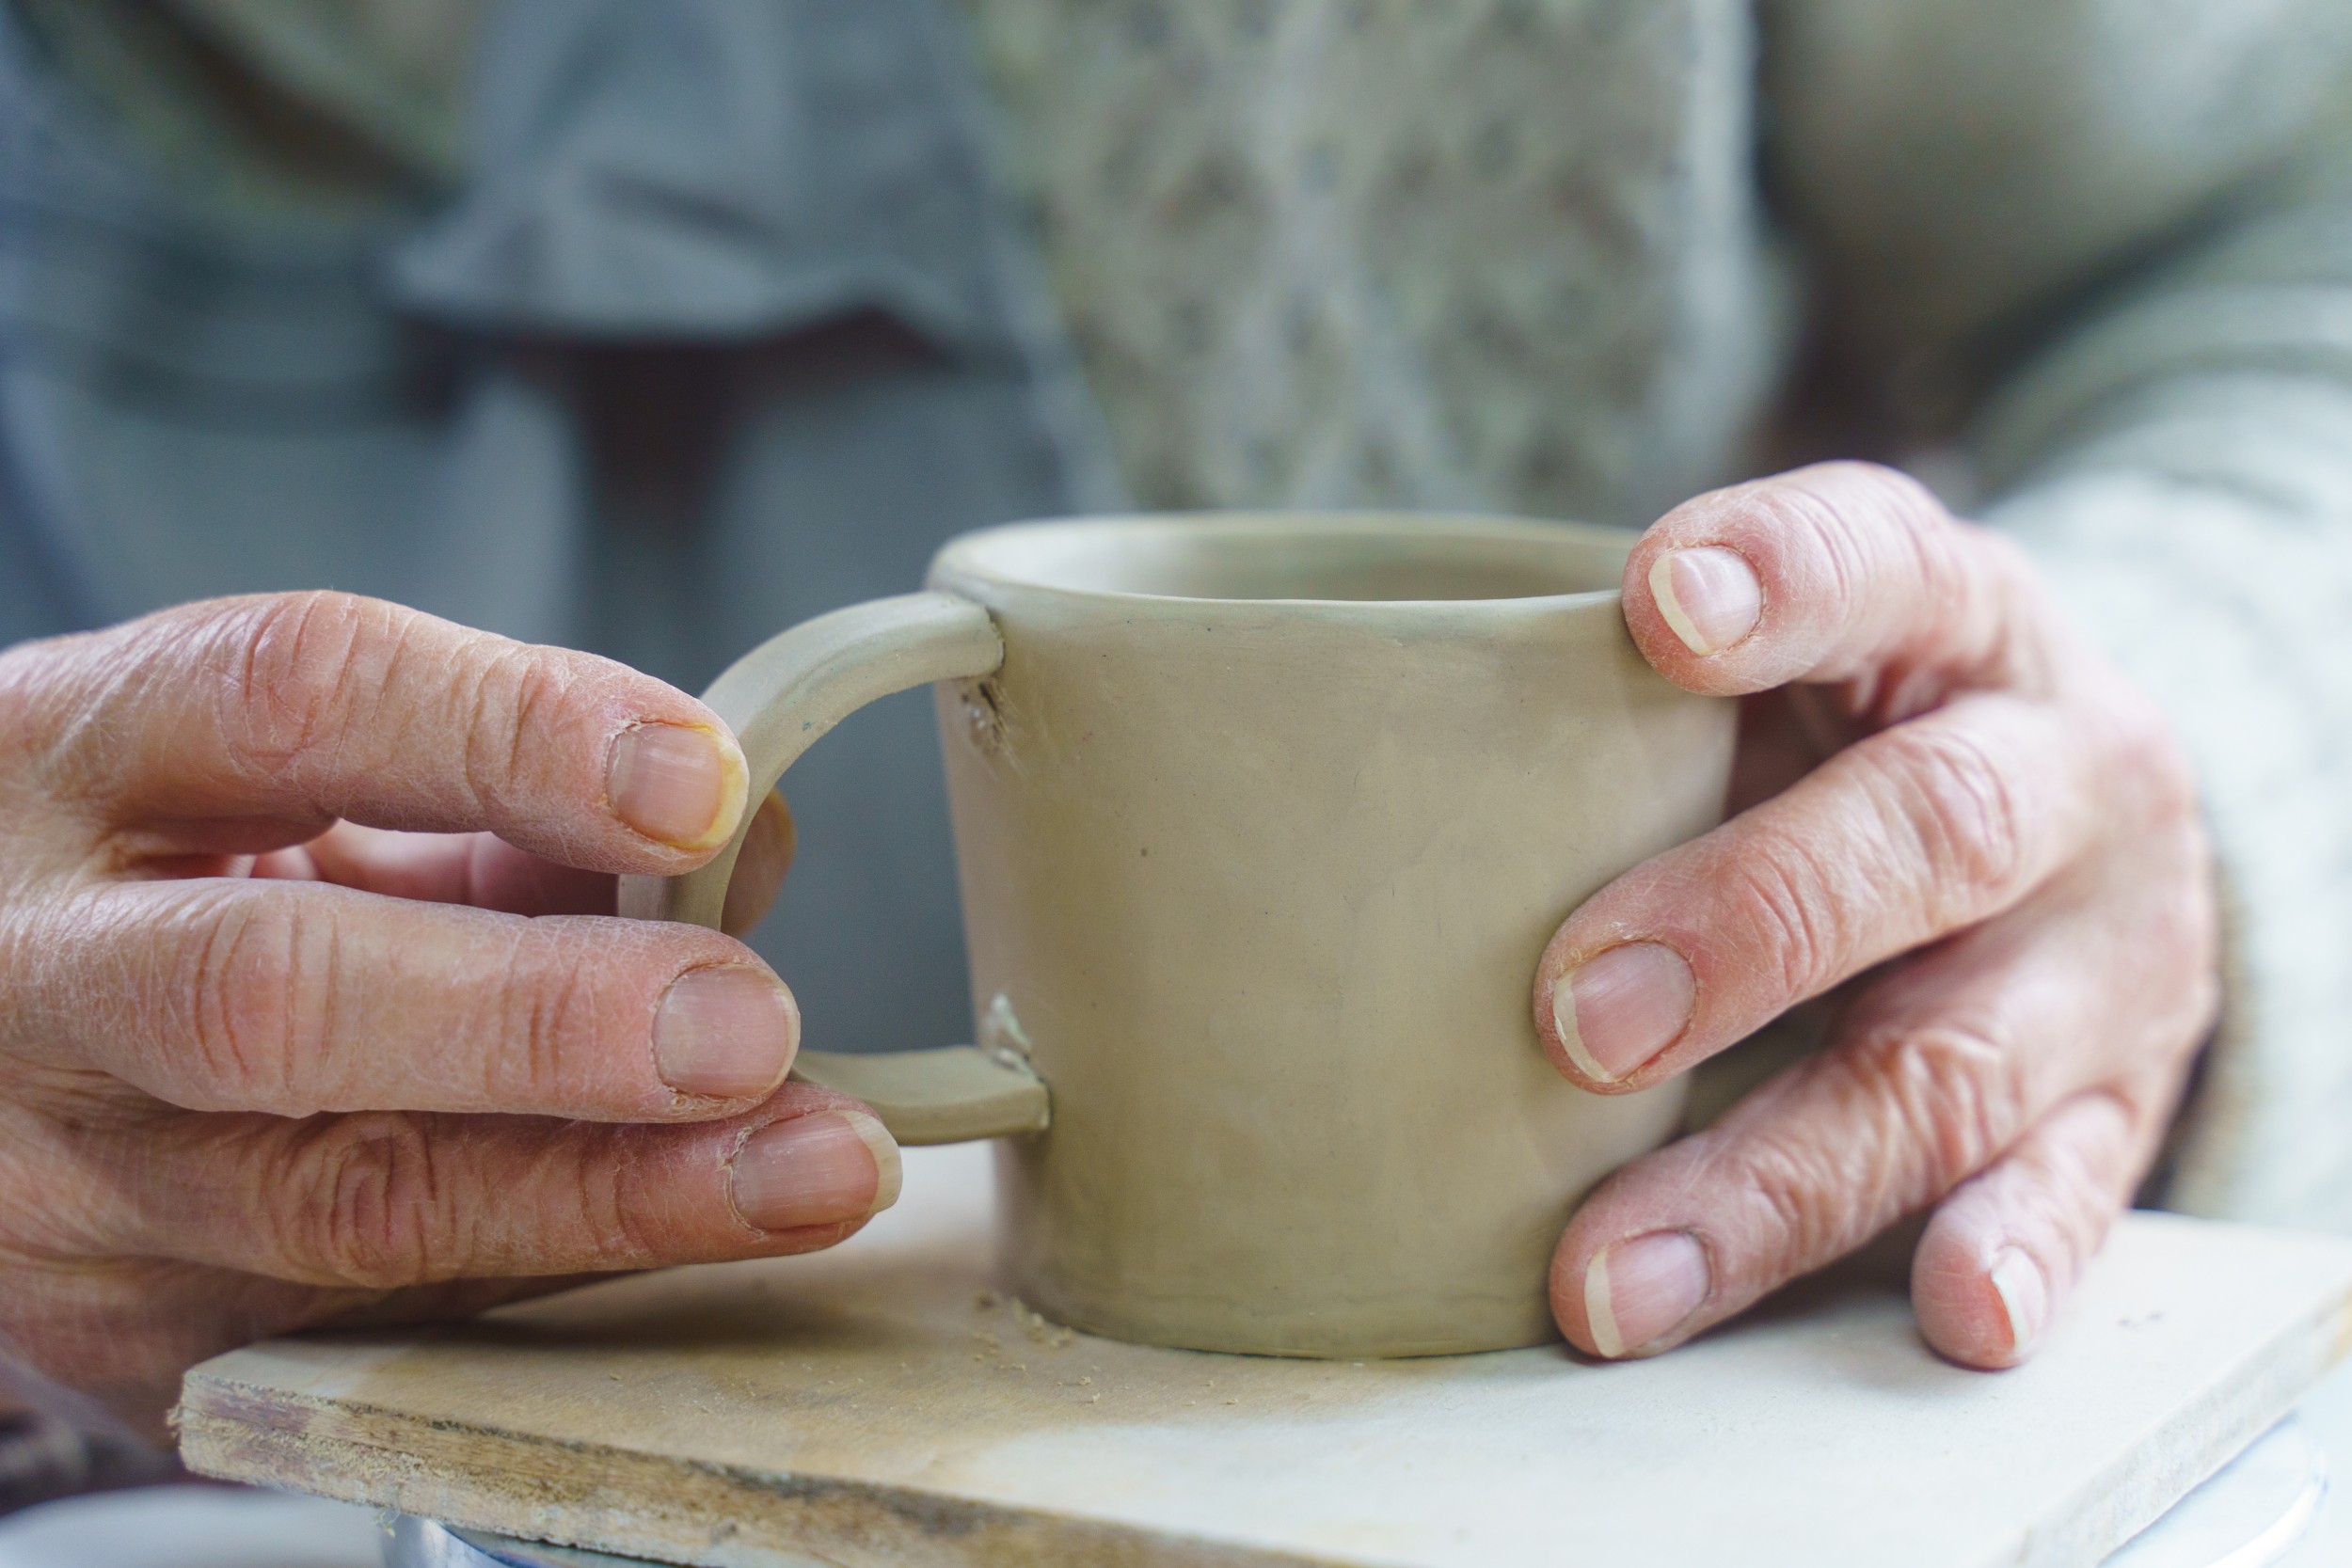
{"x": 262, "y": 1065}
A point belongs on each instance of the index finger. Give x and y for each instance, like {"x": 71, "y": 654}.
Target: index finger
{"x": 302, "y": 709}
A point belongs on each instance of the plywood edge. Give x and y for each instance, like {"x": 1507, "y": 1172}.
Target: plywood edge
{"x": 2196, "y": 1439}
{"x": 613, "y": 1499}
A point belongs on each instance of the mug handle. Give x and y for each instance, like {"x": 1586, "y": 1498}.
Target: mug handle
{"x": 779, "y": 698}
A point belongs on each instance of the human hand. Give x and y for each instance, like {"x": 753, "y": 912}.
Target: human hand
{"x": 262, "y": 1066}
{"x": 1940, "y": 778}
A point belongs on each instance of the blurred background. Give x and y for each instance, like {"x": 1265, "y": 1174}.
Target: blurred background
{"x": 653, "y": 327}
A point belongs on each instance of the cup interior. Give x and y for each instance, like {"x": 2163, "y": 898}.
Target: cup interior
{"x": 1348, "y": 557}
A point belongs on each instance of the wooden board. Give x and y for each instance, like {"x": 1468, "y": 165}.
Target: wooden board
{"x": 880, "y": 1405}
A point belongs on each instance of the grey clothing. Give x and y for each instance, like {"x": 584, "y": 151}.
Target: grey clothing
{"x": 678, "y": 367}
{"x": 726, "y": 320}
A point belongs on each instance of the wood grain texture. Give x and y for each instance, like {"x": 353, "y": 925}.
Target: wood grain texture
{"x": 883, "y": 1405}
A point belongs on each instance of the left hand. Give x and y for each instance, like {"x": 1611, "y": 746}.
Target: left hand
{"x": 1944, "y": 785}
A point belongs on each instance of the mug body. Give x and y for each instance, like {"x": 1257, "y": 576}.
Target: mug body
{"x": 1261, "y": 827}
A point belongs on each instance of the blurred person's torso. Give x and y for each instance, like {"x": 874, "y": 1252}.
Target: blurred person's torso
{"x": 1478, "y": 254}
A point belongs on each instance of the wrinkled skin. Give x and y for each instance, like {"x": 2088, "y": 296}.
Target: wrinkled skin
{"x": 1953, "y": 803}
{"x": 262, "y": 1067}
{"x": 265, "y": 1064}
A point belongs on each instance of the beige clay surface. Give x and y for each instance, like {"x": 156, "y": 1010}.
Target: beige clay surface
{"x": 886, "y": 1406}
{"x": 780, "y": 698}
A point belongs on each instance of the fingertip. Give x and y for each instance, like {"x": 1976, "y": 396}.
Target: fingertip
{"x": 1821, "y": 573}
{"x": 681, "y": 785}
{"x": 2003, "y": 1252}
{"x": 827, "y": 1167}
{"x": 1985, "y": 1307}
{"x": 1633, "y": 1297}
{"x": 1606, "y": 1019}
{"x": 726, "y": 1032}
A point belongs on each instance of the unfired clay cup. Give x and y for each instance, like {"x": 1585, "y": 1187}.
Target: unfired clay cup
{"x": 1262, "y": 823}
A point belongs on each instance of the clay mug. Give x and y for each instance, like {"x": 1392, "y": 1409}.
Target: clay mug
{"x": 1262, "y": 823}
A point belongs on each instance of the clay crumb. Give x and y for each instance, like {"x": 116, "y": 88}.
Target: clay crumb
{"x": 1041, "y": 1329}
{"x": 985, "y": 1302}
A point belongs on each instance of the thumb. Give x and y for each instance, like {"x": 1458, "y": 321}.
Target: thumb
{"x": 1844, "y": 572}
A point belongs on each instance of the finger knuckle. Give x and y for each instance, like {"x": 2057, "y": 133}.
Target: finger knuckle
{"x": 301, "y": 667}
{"x": 1900, "y": 525}
{"x": 1800, "y": 522}
{"x": 1777, "y": 891}
{"x": 1853, "y": 509}
{"x": 65, "y": 703}
{"x": 60, "y": 1171}
{"x": 1890, "y": 496}
{"x": 511, "y": 691}
{"x": 618, "y": 1204}
{"x": 257, "y": 985}
{"x": 369, "y": 1203}
{"x": 1957, "y": 805}
{"x": 547, "y": 1012}
{"x": 40, "y": 782}
{"x": 1800, "y": 1192}
{"x": 1948, "y": 1097}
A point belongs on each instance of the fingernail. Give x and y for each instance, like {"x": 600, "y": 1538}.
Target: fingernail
{"x": 676, "y": 785}
{"x": 826, "y": 1168}
{"x": 726, "y": 1032}
{"x": 2025, "y": 1295}
{"x": 1616, "y": 1011}
{"x": 1711, "y": 596}
{"x": 1639, "y": 1291}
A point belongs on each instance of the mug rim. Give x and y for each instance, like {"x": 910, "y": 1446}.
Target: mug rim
{"x": 978, "y": 554}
